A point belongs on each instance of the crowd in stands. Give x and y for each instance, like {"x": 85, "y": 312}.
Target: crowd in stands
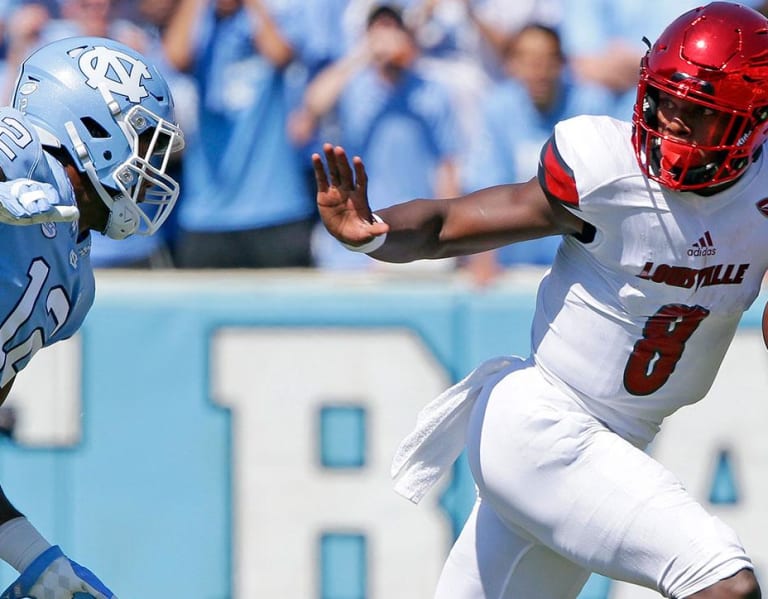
{"x": 438, "y": 96}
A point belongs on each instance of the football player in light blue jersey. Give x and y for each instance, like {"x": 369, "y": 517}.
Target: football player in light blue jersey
{"x": 84, "y": 148}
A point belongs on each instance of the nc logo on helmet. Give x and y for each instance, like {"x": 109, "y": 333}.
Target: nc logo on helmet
{"x": 115, "y": 71}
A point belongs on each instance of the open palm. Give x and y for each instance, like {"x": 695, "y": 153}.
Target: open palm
{"x": 342, "y": 198}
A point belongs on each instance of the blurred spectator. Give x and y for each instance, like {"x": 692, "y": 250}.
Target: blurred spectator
{"x": 91, "y": 17}
{"x": 53, "y": 6}
{"x": 519, "y": 115}
{"x": 761, "y": 6}
{"x": 245, "y": 202}
{"x": 322, "y": 46}
{"x": 26, "y": 24}
{"x": 152, "y": 17}
{"x": 402, "y": 123}
{"x": 475, "y": 29}
{"x": 604, "y": 40}
{"x": 8, "y": 10}
{"x": 129, "y": 9}
{"x": 461, "y": 44}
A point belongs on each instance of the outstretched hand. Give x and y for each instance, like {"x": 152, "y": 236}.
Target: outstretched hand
{"x": 342, "y": 197}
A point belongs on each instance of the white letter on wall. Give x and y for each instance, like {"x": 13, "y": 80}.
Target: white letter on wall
{"x": 276, "y": 381}
{"x": 46, "y": 397}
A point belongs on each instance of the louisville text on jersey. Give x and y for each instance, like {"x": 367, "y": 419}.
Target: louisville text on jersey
{"x": 682, "y": 276}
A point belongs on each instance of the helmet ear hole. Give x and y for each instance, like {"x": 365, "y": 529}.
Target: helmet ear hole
{"x": 739, "y": 163}
{"x": 107, "y": 155}
{"x": 94, "y": 128}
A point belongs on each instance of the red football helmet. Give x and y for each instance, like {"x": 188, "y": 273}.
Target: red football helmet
{"x": 712, "y": 58}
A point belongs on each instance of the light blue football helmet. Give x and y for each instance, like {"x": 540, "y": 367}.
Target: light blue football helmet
{"x": 112, "y": 112}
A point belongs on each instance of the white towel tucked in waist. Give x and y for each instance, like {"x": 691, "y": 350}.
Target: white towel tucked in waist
{"x": 438, "y": 439}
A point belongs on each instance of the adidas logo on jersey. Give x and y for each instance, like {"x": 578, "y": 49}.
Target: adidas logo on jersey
{"x": 703, "y": 247}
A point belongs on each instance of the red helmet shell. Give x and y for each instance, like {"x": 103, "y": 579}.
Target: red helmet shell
{"x": 715, "y": 56}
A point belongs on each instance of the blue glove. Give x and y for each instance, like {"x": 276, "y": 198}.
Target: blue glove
{"x": 54, "y": 576}
{"x": 26, "y": 202}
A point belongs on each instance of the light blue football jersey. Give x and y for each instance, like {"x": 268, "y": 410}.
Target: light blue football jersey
{"x": 46, "y": 279}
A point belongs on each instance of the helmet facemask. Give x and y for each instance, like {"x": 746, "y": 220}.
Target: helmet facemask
{"x": 138, "y": 192}
{"x": 717, "y": 156}
{"x": 709, "y": 70}
{"x": 111, "y": 112}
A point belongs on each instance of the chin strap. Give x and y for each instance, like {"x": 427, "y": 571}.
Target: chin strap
{"x": 123, "y": 220}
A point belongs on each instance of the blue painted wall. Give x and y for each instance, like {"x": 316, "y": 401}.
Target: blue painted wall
{"x": 145, "y": 497}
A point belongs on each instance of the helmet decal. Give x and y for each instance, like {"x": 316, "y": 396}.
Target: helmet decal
{"x": 115, "y": 71}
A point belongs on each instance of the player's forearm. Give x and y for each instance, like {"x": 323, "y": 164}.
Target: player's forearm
{"x": 496, "y": 37}
{"x": 469, "y": 224}
{"x": 179, "y": 35}
{"x": 431, "y": 229}
{"x": 414, "y": 232}
{"x": 447, "y": 179}
{"x": 20, "y": 541}
{"x": 267, "y": 37}
{"x": 324, "y": 90}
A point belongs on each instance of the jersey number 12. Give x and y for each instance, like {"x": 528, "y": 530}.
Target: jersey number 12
{"x": 57, "y": 305}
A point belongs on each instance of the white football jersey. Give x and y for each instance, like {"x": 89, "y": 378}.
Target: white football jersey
{"x": 634, "y": 322}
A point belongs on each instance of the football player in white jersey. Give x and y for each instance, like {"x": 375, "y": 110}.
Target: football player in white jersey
{"x": 664, "y": 225}
{"x": 84, "y": 147}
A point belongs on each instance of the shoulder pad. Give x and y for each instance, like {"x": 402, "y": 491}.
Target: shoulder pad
{"x": 598, "y": 149}
{"x": 555, "y": 176}
{"x": 21, "y": 152}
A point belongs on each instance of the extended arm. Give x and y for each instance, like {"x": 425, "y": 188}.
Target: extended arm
{"x": 267, "y": 38}
{"x": 178, "y": 36}
{"x": 496, "y": 37}
{"x": 440, "y": 228}
{"x": 324, "y": 90}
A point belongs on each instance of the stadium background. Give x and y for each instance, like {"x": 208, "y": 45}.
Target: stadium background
{"x": 229, "y": 435}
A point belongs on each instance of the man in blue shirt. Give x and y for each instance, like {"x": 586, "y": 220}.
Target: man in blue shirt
{"x": 518, "y": 115}
{"x": 385, "y": 109}
{"x": 246, "y": 202}
{"x": 604, "y": 40}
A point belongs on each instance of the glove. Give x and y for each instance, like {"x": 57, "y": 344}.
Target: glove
{"x": 26, "y": 202}
{"x": 54, "y": 576}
